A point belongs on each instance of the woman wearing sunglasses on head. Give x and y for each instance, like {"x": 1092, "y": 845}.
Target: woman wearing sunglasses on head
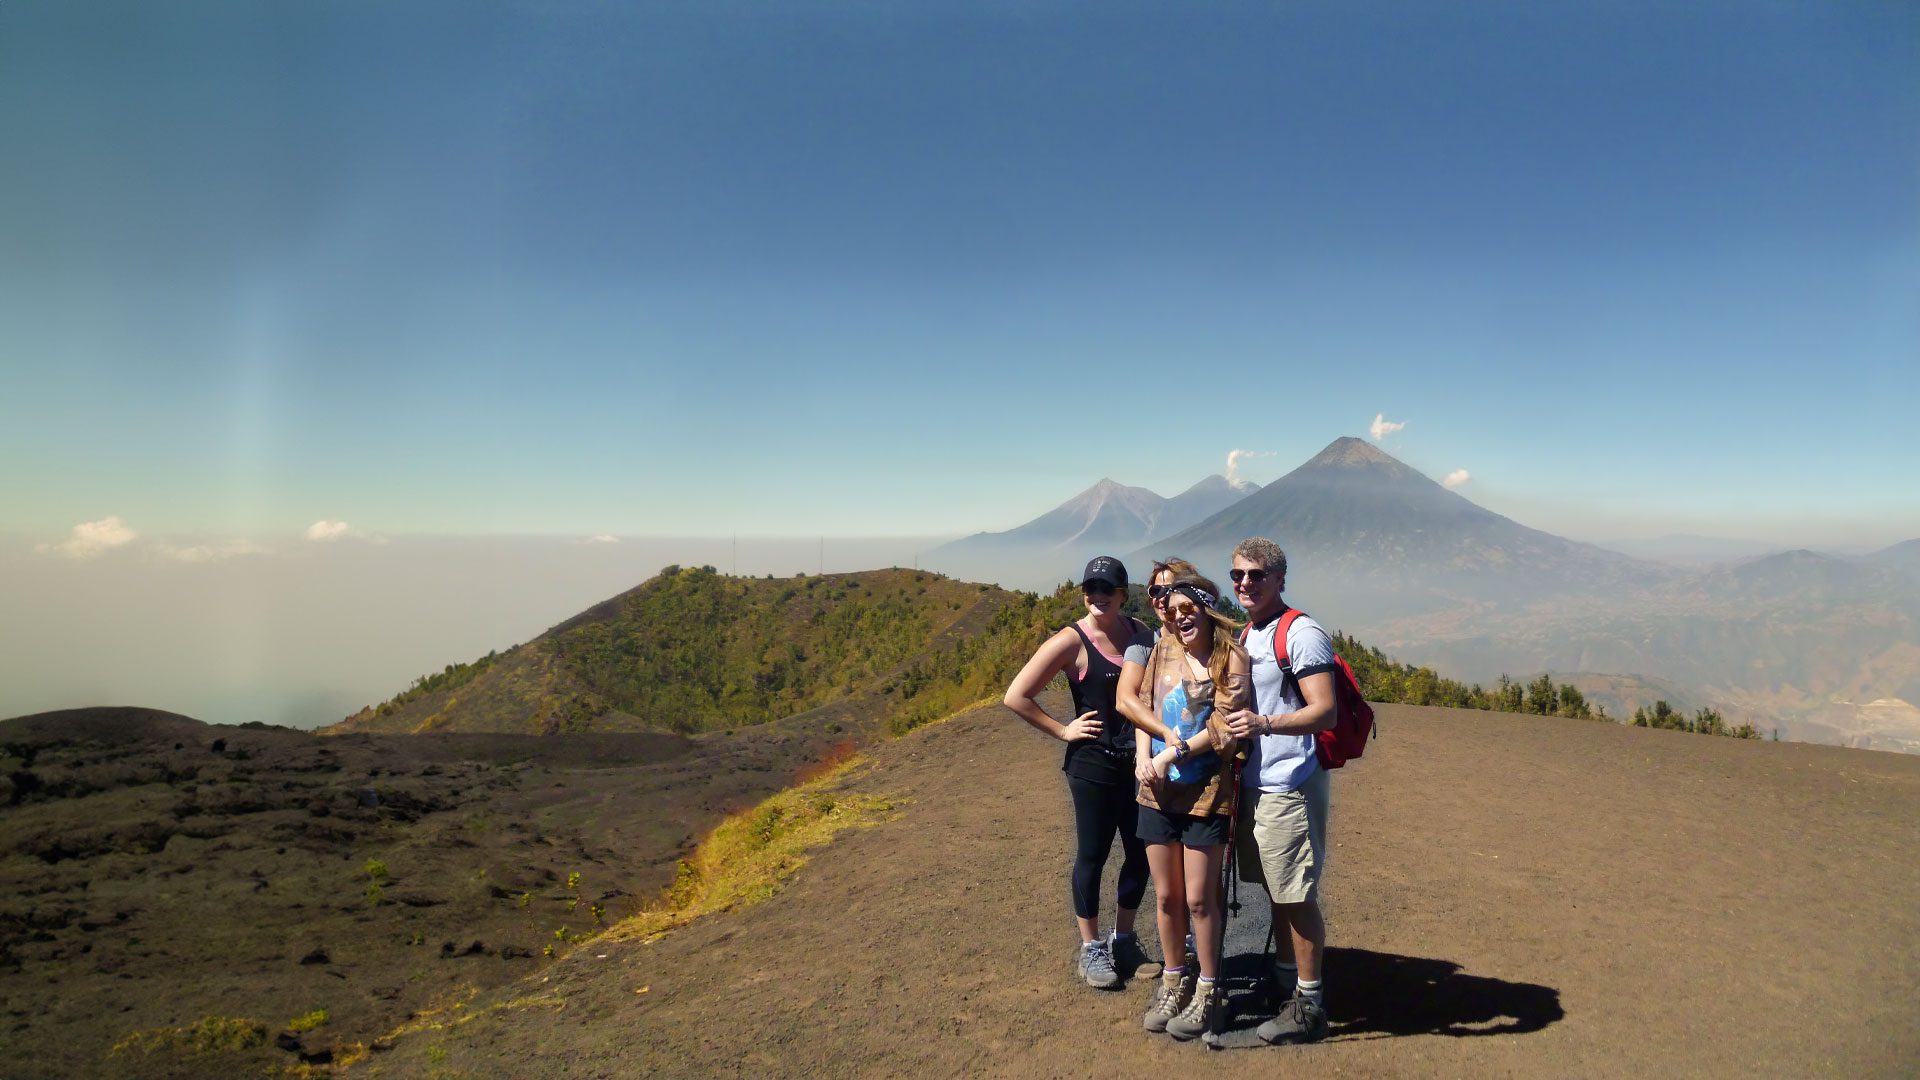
{"x": 1099, "y": 763}
{"x": 1178, "y": 700}
{"x": 1160, "y": 583}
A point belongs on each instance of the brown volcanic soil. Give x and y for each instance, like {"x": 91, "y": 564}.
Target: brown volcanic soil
{"x": 1509, "y": 896}
{"x": 155, "y": 870}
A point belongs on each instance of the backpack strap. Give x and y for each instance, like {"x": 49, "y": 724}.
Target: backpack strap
{"x": 1280, "y": 638}
{"x": 1280, "y": 649}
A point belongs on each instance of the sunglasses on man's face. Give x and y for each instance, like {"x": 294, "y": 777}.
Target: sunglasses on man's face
{"x": 1254, "y": 576}
{"x": 1097, "y": 588}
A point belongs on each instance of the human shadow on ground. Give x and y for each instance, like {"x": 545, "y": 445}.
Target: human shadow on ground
{"x": 1381, "y": 995}
{"x": 1372, "y": 993}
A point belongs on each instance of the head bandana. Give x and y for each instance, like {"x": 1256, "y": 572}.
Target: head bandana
{"x": 1197, "y": 594}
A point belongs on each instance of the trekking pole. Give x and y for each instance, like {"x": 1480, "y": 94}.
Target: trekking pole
{"x": 1229, "y": 891}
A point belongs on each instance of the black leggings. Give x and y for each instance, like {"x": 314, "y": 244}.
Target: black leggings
{"x": 1098, "y": 810}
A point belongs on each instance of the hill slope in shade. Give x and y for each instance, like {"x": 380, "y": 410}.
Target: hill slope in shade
{"x": 162, "y": 870}
{"x": 1499, "y": 889}
{"x": 1904, "y": 557}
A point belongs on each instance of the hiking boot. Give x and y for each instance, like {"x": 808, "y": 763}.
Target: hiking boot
{"x": 1176, "y": 990}
{"x": 1130, "y": 960}
{"x": 1202, "y": 1014}
{"x": 1096, "y": 966}
{"x": 1300, "y": 1021}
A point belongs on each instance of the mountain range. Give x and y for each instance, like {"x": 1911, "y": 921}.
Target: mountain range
{"x": 1386, "y": 540}
{"x": 1106, "y": 518}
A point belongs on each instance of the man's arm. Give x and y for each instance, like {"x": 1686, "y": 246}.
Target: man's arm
{"x": 1318, "y": 714}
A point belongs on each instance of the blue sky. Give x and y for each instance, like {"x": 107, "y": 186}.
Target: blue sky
{"x": 907, "y": 269}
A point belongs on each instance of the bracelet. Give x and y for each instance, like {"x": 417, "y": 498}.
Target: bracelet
{"x": 1180, "y": 754}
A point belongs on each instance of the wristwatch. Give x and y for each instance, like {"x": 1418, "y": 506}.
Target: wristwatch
{"x": 1180, "y": 751}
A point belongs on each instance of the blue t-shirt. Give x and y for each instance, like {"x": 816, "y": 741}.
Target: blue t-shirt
{"x": 1284, "y": 762}
{"x": 1185, "y": 709}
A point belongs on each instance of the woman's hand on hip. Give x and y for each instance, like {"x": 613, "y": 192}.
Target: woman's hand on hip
{"x": 1086, "y": 726}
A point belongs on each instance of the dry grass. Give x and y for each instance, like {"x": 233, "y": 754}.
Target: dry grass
{"x": 750, "y": 855}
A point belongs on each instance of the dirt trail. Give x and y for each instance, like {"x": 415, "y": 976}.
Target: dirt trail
{"x": 1508, "y": 896}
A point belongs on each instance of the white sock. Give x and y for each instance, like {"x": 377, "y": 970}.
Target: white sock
{"x": 1311, "y": 991}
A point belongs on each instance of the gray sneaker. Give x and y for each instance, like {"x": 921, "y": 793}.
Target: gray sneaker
{"x": 1202, "y": 1014}
{"x": 1300, "y": 1021}
{"x": 1096, "y": 966}
{"x": 1175, "y": 991}
{"x": 1130, "y": 960}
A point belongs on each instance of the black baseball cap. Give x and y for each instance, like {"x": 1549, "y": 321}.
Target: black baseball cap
{"x": 1105, "y": 568}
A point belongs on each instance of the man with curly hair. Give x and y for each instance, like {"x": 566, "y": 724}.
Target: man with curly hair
{"x": 1282, "y": 838}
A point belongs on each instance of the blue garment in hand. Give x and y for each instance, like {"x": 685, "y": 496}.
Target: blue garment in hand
{"x": 1187, "y": 718}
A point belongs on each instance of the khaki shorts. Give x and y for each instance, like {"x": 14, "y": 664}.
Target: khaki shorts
{"x": 1283, "y": 839}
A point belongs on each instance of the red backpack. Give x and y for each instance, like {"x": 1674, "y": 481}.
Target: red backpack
{"x": 1352, "y": 716}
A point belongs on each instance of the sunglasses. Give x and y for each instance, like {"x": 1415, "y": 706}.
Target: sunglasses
{"x": 1255, "y": 576}
{"x": 1097, "y": 588}
{"x": 1158, "y": 592}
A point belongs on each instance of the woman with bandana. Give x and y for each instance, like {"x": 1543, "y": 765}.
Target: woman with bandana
{"x": 1178, "y": 701}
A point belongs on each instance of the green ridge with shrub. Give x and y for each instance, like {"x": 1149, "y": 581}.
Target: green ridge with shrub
{"x": 695, "y": 650}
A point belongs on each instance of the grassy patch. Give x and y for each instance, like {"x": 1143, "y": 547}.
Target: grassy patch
{"x": 459, "y": 1011}
{"x": 208, "y": 1035}
{"x": 750, "y": 855}
{"x": 314, "y": 1019}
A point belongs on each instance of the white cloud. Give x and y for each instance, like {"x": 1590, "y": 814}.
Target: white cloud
{"x": 89, "y": 539}
{"x": 203, "y": 553}
{"x": 1235, "y": 457}
{"x": 602, "y": 538}
{"x": 1383, "y": 427}
{"x": 1456, "y": 478}
{"x": 327, "y": 530}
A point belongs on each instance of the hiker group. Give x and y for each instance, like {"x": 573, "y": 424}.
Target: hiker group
{"x": 1185, "y": 741}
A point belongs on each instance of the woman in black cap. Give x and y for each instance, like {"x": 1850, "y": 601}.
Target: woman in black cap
{"x": 1099, "y": 762}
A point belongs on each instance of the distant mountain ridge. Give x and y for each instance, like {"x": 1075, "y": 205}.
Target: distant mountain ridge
{"x": 1904, "y": 557}
{"x": 1680, "y": 549}
{"x": 1105, "y": 519}
{"x": 1384, "y": 539}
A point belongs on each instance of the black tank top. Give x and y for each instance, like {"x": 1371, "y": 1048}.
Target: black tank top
{"x": 1108, "y": 758}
